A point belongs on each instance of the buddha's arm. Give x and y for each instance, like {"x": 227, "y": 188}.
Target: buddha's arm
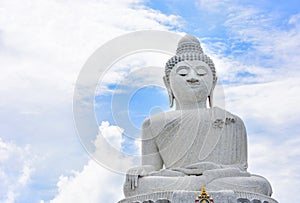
{"x": 150, "y": 153}
{"x": 241, "y": 147}
{"x": 241, "y": 159}
{"x": 151, "y": 160}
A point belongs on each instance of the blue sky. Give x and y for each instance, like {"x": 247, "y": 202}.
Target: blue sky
{"x": 44, "y": 45}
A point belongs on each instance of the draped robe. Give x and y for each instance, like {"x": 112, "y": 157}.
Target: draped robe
{"x": 175, "y": 140}
{"x": 194, "y": 136}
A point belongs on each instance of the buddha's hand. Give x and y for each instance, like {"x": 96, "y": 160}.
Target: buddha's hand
{"x": 198, "y": 168}
{"x": 133, "y": 174}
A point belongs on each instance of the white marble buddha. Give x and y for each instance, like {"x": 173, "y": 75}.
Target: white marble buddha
{"x": 194, "y": 145}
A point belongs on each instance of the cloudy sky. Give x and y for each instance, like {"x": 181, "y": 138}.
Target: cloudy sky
{"x": 45, "y": 44}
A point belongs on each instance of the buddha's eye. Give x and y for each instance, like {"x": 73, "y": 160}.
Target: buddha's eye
{"x": 183, "y": 71}
{"x": 200, "y": 71}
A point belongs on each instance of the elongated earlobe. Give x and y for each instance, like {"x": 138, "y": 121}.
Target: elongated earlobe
{"x": 170, "y": 93}
{"x": 171, "y": 99}
{"x": 210, "y": 100}
{"x": 211, "y": 94}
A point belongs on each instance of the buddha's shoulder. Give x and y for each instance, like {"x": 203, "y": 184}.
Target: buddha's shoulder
{"x": 160, "y": 119}
{"x": 227, "y": 116}
{"x": 219, "y": 112}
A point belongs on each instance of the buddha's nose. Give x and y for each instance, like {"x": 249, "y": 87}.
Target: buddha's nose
{"x": 192, "y": 80}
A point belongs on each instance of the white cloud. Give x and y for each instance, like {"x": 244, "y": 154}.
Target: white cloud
{"x": 271, "y": 115}
{"x": 213, "y": 5}
{"x": 94, "y": 183}
{"x": 113, "y": 134}
{"x": 109, "y": 151}
{"x": 140, "y": 69}
{"x": 46, "y": 43}
{"x": 260, "y": 44}
{"x": 279, "y": 162}
{"x": 43, "y": 45}
{"x": 15, "y": 170}
{"x": 271, "y": 46}
{"x": 273, "y": 104}
{"x": 138, "y": 144}
{"x": 295, "y": 19}
{"x": 231, "y": 70}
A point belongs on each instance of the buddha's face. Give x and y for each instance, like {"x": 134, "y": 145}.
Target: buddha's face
{"x": 191, "y": 81}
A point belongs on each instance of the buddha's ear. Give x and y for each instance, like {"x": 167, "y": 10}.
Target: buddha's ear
{"x": 170, "y": 93}
{"x": 215, "y": 83}
{"x": 211, "y": 94}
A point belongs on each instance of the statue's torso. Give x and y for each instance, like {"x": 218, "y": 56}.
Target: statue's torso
{"x": 187, "y": 137}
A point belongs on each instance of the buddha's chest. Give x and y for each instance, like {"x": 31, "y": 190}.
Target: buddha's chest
{"x": 191, "y": 139}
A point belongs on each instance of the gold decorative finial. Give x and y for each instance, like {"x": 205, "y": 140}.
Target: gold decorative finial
{"x": 204, "y": 197}
{"x": 203, "y": 193}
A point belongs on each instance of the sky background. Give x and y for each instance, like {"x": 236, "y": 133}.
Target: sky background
{"x": 44, "y": 45}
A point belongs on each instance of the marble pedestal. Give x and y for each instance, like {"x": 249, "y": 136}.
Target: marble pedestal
{"x": 226, "y": 196}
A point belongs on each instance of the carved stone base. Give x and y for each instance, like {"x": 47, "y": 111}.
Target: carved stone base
{"x": 226, "y": 196}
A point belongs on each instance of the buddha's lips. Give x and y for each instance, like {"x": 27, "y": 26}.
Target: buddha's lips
{"x": 193, "y": 84}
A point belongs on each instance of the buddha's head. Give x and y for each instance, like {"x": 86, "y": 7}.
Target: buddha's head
{"x": 190, "y": 75}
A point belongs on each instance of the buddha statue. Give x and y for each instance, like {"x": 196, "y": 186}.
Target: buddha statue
{"x": 197, "y": 144}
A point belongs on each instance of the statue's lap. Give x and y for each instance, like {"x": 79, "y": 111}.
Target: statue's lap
{"x": 151, "y": 184}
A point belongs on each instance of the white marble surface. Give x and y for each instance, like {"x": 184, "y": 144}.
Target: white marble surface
{"x": 196, "y": 144}
{"x": 223, "y": 196}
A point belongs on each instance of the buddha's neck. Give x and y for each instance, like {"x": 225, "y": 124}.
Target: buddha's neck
{"x": 190, "y": 106}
